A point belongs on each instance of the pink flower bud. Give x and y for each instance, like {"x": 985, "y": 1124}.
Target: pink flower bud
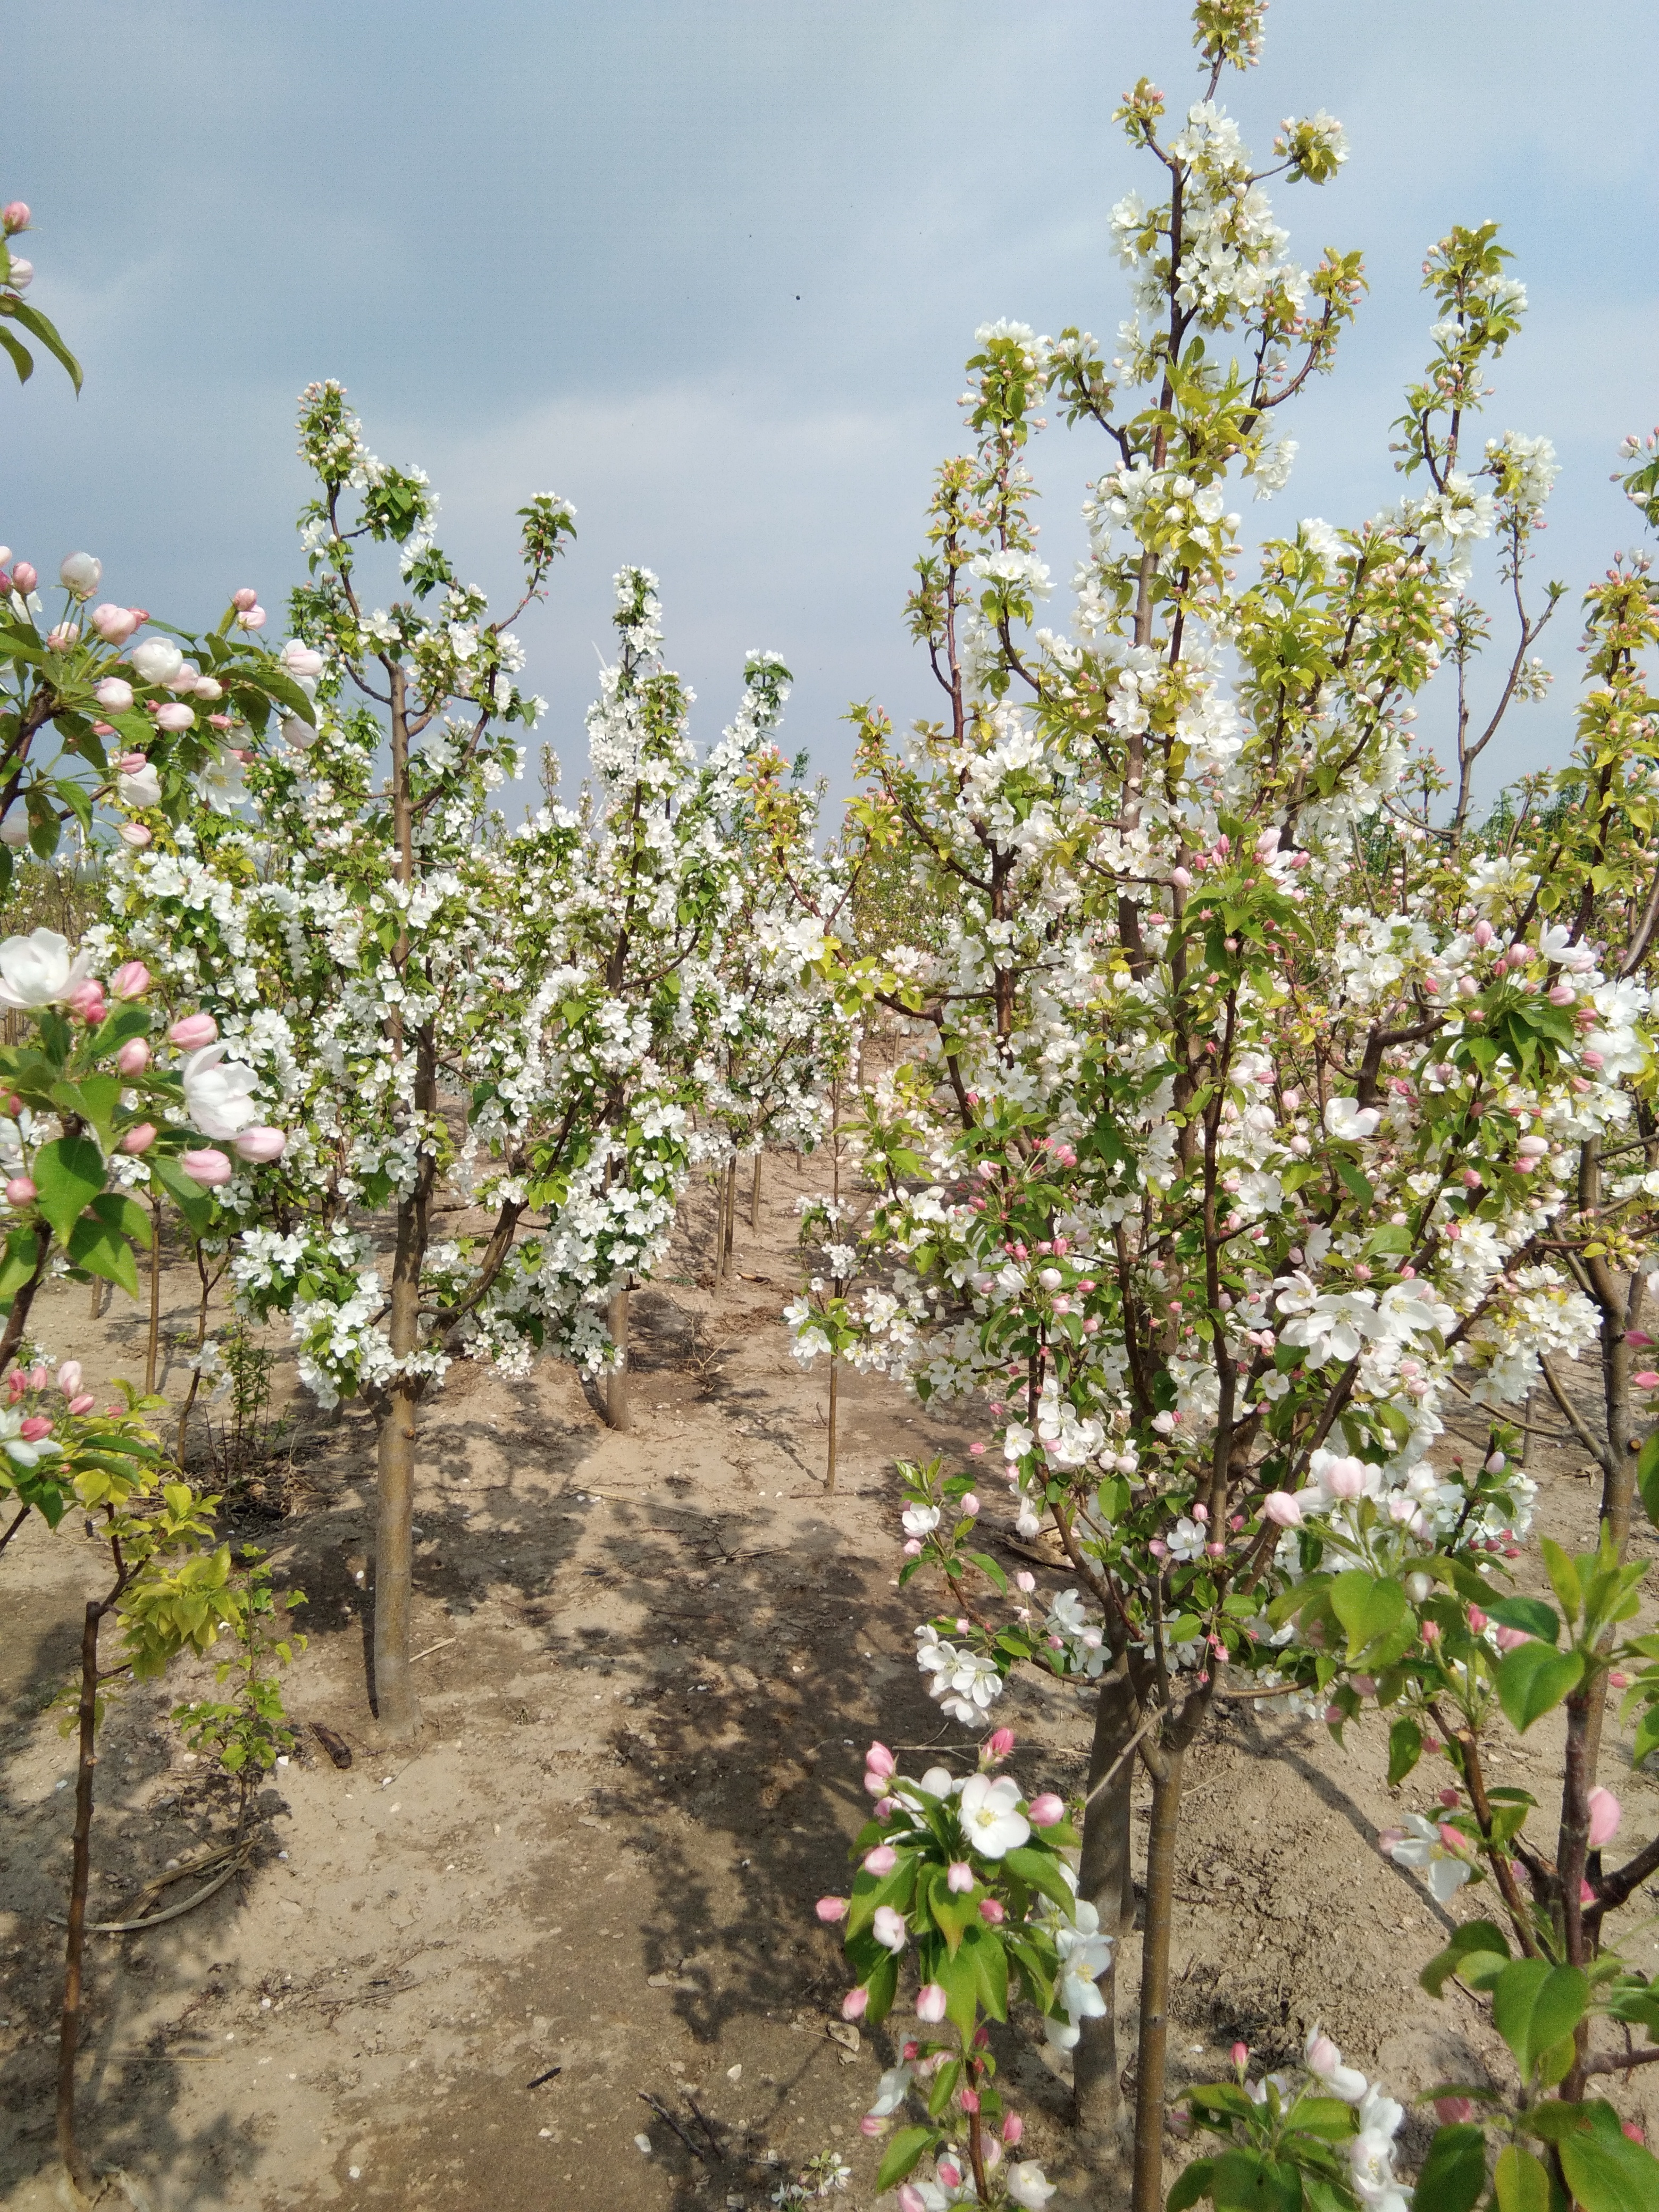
{"x": 208, "y": 1165}
{"x": 115, "y": 625}
{"x": 15, "y": 217}
{"x": 1630, "y": 2129}
{"x": 1605, "y": 1814}
{"x": 261, "y": 1145}
{"x": 83, "y": 1404}
{"x": 1013, "y": 2128}
{"x": 34, "y": 1428}
{"x": 85, "y": 996}
{"x": 1619, "y": 1682}
{"x": 832, "y": 1909}
{"x": 931, "y": 2003}
{"x": 1477, "y": 1621}
{"x": 968, "y": 2100}
{"x": 870, "y": 2125}
{"x": 1562, "y": 993}
{"x": 992, "y": 1911}
{"x": 193, "y": 1031}
{"x": 245, "y": 600}
{"x": 969, "y": 1503}
{"x": 1282, "y": 1508}
{"x": 136, "y": 835}
{"x": 948, "y": 2170}
{"x": 880, "y": 1860}
{"x": 130, "y": 980}
{"x": 69, "y": 1378}
{"x": 853, "y": 2004}
{"x": 24, "y": 575}
{"x": 959, "y": 1877}
{"x": 879, "y": 1761}
{"x": 911, "y": 2199}
{"x": 175, "y": 716}
{"x": 134, "y": 1056}
{"x": 1646, "y": 1379}
{"x": 1452, "y": 2112}
{"x": 913, "y": 1548}
{"x": 1240, "y": 2055}
{"x": 253, "y": 618}
{"x": 1045, "y": 1811}
{"x": 1323, "y": 2056}
{"x": 977, "y": 1451}
{"x": 139, "y": 1138}
{"x": 39, "y": 1379}
{"x": 1000, "y": 1741}
{"x": 20, "y": 1191}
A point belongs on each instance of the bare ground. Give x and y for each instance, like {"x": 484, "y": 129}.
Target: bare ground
{"x": 578, "y": 1910}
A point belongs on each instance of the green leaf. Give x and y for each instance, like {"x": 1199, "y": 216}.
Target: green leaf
{"x": 1520, "y": 2182}
{"x": 988, "y": 1567}
{"x": 1608, "y": 2172}
{"x": 1356, "y": 1184}
{"x": 1405, "y": 1749}
{"x": 1532, "y": 1680}
{"x": 1474, "y": 1936}
{"x": 21, "y": 360}
{"x": 1529, "y": 1614}
{"x": 1647, "y": 1477}
{"x": 1040, "y": 1870}
{"x": 1454, "y": 2172}
{"x": 1563, "y": 1578}
{"x": 900, "y": 2158}
{"x": 1368, "y": 1607}
{"x": 190, "y": 1199}
{"x": 21, "y": 1257}
{"x": 1192, "y": 2184}
{"x": 35, "y": 322}
{"x": 102, "y": 1251}
{"x": 1534, "y": 2005}
{"x": 68, "y": 1172}
{"x": 991, "y": 1965}
{"x": 1246, "y": 2181}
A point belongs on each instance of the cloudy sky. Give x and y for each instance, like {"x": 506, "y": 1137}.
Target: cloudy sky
{"x": 709, "y": 268}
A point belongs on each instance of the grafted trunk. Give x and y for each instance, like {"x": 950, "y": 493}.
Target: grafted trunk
{"x": 395, "y": 1703}
{"x": 1105, "y": 1880}
{"x": 1167, "y": 1766}
{"x": 68, "y": 2030}
{"x": 616, "y": 1412}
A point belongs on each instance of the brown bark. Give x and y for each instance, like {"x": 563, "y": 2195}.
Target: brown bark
{"x": 69, "y": 2034}
{"x": 755, "y": 1198}
{"x": 830, "y": 1467}
{"x": 617, "y": 1412}
{"x": 395, "y": 1705}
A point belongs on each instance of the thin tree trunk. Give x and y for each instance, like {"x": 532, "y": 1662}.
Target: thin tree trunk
{"x": 1105, "y": 1880}
{"x": 69, "y": 2034}
{"x": 730, "y": 1230}
{"x": 753, "y": 1198}
{"x": 1165, "y": 1765}
{"x": 616, "y": 1390}
{"x": 835, "y": 1377}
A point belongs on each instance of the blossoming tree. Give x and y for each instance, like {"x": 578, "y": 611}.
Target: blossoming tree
{"x": 1249, "y": 1093}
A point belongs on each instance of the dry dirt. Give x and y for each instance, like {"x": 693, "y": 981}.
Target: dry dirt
{"x": 455, "y": 1973}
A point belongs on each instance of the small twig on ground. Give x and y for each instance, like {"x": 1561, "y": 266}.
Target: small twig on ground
{"x": 668, "y": 2119}
{"x": 704, "y": 2121}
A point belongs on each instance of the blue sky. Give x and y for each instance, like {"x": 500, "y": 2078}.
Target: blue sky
{"x": 709, "y": 268}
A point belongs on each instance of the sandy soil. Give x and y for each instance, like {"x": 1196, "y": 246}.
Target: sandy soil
{"x": 455, "y": 1975}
